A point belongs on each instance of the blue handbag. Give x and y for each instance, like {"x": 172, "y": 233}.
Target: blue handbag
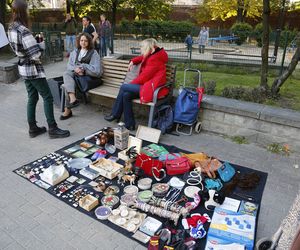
{"x": 226, "y": 172}
{"x": 215, "y": 184}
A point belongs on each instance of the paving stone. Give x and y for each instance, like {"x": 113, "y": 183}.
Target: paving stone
{"x": 43, "y": 234}
{"x": 81, "y": 243}
{"x": 5, "y": 239}
{"x": 26, "y": 221}
{"x": 14, "y": 246}
{"x": 22, "y": 236}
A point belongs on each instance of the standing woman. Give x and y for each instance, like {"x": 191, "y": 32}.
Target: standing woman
{"x": 152, "y": 75}
{"x": 104, "y": 35}
{"x": 31, "y": 70}
{"x": 202, "y": 39}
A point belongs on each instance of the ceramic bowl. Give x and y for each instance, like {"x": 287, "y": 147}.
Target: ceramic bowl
{"x": 103, "y": 212}
{"x": 145, "y": 183}
{"x": 145, "y": 196}
{"x": 131, "y": 189}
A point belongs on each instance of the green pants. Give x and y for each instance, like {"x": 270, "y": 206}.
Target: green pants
{"x": 34, "y": 88}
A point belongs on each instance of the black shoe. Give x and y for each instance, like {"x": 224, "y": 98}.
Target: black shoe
{"x": 73, "y": 104}
{"x": 131, "y": 128}
{"x": 35, "y": 131}
{"x": 65, "y": 117}
{"x": 111, "y": 118}
{"x": 56, "y": 132}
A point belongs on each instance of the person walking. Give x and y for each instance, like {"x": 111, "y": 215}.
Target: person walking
{"x": 202, "y": 39}
{"x": 31, "y": 70}
{"x": 104, "y": 33}
{"x": 71, "y": 30}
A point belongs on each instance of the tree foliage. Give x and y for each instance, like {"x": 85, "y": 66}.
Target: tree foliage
{"x": 154, "y": 9}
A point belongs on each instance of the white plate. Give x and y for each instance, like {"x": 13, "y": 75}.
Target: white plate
{"x": 121, "y": 221}
{"x": 79, "y": 163}
{"x": 191, "y": 190}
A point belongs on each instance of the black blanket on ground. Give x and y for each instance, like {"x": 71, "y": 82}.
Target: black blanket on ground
{"x": 240, "y": 194}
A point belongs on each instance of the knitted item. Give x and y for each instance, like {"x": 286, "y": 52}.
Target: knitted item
{"x": 193, "y": 221}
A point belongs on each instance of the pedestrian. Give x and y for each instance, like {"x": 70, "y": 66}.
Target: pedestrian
{"x": 202, "y": 39}
{"x": 31, "y": 70}
{"x": 88, "y": 27}
{"x": 3, "y": 37}
{"x": 104, "y": 33}
{"x": 189, "y": 42}
{"x": 71, "y": 30}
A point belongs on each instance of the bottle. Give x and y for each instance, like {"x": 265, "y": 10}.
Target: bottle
{"x": 121, "y": 135}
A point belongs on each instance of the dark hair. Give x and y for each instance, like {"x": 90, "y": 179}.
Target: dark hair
{"x": 89, "y": 38}
{"x": 19, "y": 12}
{"x": 88, "y": 18}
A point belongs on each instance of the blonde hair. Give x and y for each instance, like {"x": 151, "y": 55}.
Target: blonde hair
{"x": 147, "y": 45}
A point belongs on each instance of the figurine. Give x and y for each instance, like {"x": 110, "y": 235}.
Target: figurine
{"x": 128, "y": 167}
{"x": 129, "y": 178}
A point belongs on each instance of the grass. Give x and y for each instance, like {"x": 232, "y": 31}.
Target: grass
{"x": 235, "y": 76}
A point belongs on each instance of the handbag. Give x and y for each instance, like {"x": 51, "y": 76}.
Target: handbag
{"x": 226, "y": 172}
{"x": 150, "y": 166}
{"x": 179, "y": 165}
{"x": 163, "y": 157}
{"x": 133, "y": 73}
{"x": 163, "y": 118}
{"x": 86, "y": 83}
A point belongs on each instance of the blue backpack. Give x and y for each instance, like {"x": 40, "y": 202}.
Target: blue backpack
{"x": 163, "y": 118}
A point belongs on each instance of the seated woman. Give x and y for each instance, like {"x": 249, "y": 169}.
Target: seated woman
{"x": 83, "y": 61}
{"x": 152, "y": 74}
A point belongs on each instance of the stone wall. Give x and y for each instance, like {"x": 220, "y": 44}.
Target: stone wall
{"x": 259, "y": 123}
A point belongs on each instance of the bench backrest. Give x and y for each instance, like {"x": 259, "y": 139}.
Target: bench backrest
{"x": 114, "y": 72}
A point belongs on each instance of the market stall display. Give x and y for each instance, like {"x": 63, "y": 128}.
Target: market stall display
{"x": 160, "y": 191}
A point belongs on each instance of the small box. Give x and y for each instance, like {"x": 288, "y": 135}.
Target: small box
{"x": 121, "y": 135}
{"x": 132, "y": 141}
{"x": 89, "y": 173}
{"x": 88, "y": 202}
{"x": 106, "y": 168}
{"x": 148, "y": 134}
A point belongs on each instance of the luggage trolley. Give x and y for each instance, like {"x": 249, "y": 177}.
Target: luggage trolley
{"x": 187, "y": 106}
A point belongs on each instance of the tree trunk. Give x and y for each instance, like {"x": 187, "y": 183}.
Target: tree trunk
{"x": 240, "y": 11}
{"x": 279, "y": 81}
{"x": 113, "y": 23}
{"x": 2, "y": 11}
{"x": 68, "y": 6}
{"x": 265, "y": 46}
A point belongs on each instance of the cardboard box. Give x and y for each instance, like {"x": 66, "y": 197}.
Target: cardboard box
{"x": 88, "y": 202}
{"x": 106, "y": 168}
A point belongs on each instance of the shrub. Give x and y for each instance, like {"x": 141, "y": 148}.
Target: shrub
{"x": 286, "y": 37}
{"x": 257, "y": 33}
{"x": 242, "y": 30}
{"x": 168, "y": 30}
{"x": 246, "y": 94}
{"x": 210, "y": 87}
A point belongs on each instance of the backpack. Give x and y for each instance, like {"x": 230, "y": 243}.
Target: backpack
{"x": 163, "y": 118}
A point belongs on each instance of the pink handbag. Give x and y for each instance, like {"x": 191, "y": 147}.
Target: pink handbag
{"x": 179, "y": 165}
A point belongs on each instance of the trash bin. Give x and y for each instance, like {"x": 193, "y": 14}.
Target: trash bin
{"x": 54, "y": 85}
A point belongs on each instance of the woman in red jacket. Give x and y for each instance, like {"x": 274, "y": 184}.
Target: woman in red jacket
{"x": 152, "y": 75}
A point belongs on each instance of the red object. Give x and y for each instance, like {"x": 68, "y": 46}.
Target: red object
{"x": 200, "y": 91}
{"x": 179, "y": 165}
{"x": 146, "y": 163}
{"x": 193, "y": 221}
{"x": 152, "y": 74}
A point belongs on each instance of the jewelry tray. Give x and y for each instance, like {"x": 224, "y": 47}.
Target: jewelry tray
{"x": 141, "y": 216}
{"x": 106, "y": 168}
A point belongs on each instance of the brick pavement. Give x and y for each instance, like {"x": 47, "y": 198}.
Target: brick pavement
{"x": 32, "y": 219}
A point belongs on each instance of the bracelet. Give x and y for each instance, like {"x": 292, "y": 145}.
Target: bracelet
{"x": 193, "y": 181}
{"x": 195, "y": 174}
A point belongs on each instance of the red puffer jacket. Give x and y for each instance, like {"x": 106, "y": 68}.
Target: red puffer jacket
{"x": 152, "y": 74}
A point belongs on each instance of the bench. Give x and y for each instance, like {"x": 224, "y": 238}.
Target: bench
{"x": 224, "y": 55}
{"x": 114, "y": 72}
{"x": 229, "y": 39}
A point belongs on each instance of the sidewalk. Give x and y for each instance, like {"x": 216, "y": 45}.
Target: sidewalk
{"x": 32, "y": 219}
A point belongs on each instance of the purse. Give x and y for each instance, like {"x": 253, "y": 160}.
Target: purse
{"x": 151, "y": 167}
{"x": 226, "y": 172}
{"x": 179, "y": 165}
{"x": 86, "y": 82}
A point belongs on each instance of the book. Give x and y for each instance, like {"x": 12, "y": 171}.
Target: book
{"x": 154, "y": 150}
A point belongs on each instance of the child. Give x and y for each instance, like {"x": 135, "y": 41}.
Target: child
{"x": 189, "y": 42}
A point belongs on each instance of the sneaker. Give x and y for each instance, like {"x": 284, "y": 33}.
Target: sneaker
{"x": 35, "y": 131}
{"x": 56, "y": 132}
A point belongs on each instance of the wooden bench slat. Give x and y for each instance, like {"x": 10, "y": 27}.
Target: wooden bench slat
{"x": 105, "y": 68}
{"x": 114, "y": 76}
